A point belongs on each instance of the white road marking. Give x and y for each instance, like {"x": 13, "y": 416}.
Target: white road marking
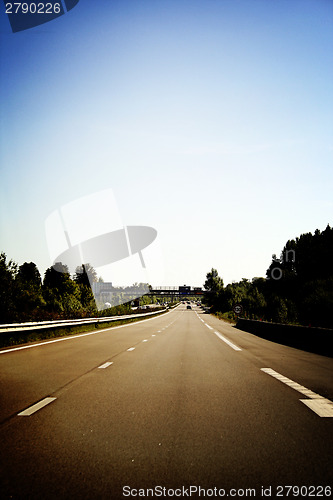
{"x": 108, "y": 363}
{"x": 234, "y": 346}
{"x": 210, "y": 327}
{"x": 323, "y": 407}
{"x": 320, "y": 405}
{"x": 72, "y": 337}
{"x": 153, "y": 335}
{"x": 35, "y": 407}
{"x": 291, "y": 383}
{"x": 131, "y": 349}
{"x": 145, "y": 340}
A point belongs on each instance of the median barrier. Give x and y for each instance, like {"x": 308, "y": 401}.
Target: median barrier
{"x": 317, "y": 340}
{"x": 18, "y": 333}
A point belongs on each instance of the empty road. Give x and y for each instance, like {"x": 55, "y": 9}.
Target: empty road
{"x": 162, "y": 408}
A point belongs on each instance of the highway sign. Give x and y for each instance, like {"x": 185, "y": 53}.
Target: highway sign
{"x": 238, "y": 309}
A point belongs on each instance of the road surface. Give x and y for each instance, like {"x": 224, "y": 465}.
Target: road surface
{"x": 162, "y": 408}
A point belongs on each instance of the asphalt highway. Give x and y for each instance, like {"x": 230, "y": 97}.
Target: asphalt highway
{"x": 182, "y": 401}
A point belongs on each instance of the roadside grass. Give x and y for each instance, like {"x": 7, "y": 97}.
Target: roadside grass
{"x": 229, "y": 317}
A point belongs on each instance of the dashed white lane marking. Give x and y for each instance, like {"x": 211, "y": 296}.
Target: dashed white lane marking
{"x": 131, "y": 349}
{"x": 320, "y": 405}
{"x": 221, "y": 337}
{"x": 153, "y": 335}
{"x": 291, "y": 383}
{"x": 234, "y": 346}
{"x": 32, "y": 409}
{"x": 72, "y": 337}
{"x": 323, "y": 407}
{"x": 108, "y": 363}
{"x": 145, "y": 340}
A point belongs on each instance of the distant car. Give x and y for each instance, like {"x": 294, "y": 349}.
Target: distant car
{"x": 188, "y": 307}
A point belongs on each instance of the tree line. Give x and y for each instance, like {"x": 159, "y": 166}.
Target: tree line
{"x": 25, "y": 296}
{"x": 297, "y": 289}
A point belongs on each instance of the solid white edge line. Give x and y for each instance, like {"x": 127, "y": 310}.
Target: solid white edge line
{"x": 32, "y": 409}
{"x": 108, "y": 363}
{"x": 221, "y": 337}
{"x": 320, "y": 405}
{"x": 72, "y": 337}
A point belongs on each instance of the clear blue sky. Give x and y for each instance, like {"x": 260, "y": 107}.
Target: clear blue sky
{"x": 211, "y": 121}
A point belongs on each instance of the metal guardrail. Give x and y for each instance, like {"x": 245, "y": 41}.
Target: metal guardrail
{"x": 39, "y": 325}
